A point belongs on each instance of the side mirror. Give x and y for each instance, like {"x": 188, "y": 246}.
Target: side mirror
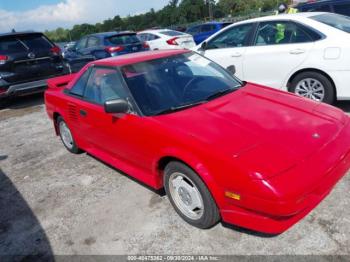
{"x": 231, "y": 69}
{"x": 204, "y": 46}
{"x": 116, "y": 106}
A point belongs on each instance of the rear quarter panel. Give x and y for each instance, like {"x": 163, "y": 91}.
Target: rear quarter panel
{"x": 55, "y": 99}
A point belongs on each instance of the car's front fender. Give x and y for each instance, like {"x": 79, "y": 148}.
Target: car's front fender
{"x": 194, "y": 163}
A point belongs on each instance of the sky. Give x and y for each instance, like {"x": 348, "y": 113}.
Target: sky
{"x": 40, "y": 15}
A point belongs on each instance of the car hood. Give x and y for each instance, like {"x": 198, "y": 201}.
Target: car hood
{"x": 264, "y": 129}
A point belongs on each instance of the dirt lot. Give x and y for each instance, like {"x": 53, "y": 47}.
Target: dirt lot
{"x": 53, "y": 202}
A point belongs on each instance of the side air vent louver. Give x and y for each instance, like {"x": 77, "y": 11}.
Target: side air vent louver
{"x": 72, "y": 112}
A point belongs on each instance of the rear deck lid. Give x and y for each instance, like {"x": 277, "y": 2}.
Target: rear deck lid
{"x": 30, "y": 56}
{"x": 182, "y": 39}
{"x": 128, "y": 41}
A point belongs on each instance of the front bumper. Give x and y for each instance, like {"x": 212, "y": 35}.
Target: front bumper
{"x": 274, "y": 217}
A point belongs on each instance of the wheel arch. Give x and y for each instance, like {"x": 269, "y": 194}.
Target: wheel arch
{"x": 193, "y": 163}
{"x": 55, "y": 117}
{"x": 163, "y": 161}
{"x": 291, "y": 78}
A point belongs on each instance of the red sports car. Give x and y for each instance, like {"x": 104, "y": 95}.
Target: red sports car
{"x": 222, "y": 149}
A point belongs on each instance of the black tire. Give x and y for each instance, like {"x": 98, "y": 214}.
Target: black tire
{"x": 74, "y": 148}
{"x": 5, "y": 102}
{"x": 210, "y": 215}
{"x": 329, "y": 94}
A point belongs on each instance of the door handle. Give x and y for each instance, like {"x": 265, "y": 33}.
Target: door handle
{"x": 297, "y": 51}
{"x": 83, "y": 113}
{"x": 237, "y": 54}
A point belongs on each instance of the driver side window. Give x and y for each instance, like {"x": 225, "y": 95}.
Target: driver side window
{"x": 104, "y": 84}
{"x": 236, "y": 36}
{"x": 92, "y": 42}
{"x": 81, "y": 44}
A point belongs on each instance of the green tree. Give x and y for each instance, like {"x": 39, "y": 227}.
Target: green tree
{"x": 176, "y": 12}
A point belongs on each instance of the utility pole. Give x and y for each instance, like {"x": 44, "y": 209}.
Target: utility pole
{"x": 210, "y": 5}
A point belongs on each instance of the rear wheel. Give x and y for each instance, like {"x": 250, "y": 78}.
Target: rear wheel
{"x": 313, "y": 85}
{"x": 189, "y": 196}
{"x": 67, "y": 137}
{"x": 5, "y": 102}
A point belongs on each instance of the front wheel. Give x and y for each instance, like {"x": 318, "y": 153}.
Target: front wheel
{"x": 313, "y": 85}
{"x": 189, "y": 196}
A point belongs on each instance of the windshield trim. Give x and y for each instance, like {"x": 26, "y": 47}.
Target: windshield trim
{"x": 241, "y": 82}
{"x": 239, "y": 85}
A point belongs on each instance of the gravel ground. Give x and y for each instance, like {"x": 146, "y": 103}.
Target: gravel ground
{"x": 54, "y": 202}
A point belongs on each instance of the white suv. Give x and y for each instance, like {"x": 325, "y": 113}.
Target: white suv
{"x": 306, "y": 53}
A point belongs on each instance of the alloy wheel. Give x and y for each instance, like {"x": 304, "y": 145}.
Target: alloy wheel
{"x": 186, "y": 196}
{"x": 310, "y": 88}
{"x": 66, "y": 135}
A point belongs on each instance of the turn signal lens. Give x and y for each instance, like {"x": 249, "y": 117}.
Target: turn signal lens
{"x": 232, "y": 195}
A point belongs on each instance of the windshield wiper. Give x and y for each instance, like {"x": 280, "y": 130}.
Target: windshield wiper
{"x": 178, "y": 108}
{"x": 220, "y": 93}
{"x": 181, "y": 107}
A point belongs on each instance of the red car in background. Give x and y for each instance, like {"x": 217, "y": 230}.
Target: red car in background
{"x": 222, "y": 149}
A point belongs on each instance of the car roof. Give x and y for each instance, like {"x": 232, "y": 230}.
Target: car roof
{"x": 155, "y": 30}
{"x": 19, "y": 33}
{"x": 282, "y": 16}
{"x": 138, "y": 57}
{"x": 160, "y": 32}
{"x": 209, "y": 23}
{"x": 321, "y": 2}
{"x": 214, "y": 23}
{"x": 113, "y": 33}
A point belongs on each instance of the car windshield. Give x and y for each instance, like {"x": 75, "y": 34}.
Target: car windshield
{"x": 36, "y": 42}
{"x": 177, "y": 82}
{"x": 124, "y": 39}
{"x": 171, "y": 33}
{"x": 11, "y": 45}
{"x": 337, "y": 21}
{"x": 20, "y": 43}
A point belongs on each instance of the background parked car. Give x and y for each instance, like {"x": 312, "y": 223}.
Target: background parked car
{"x": 203, "y": 31}
{"x": 180, "y": 28}
{"x": 103, "y": 45}
{"x": 166, "y": 39}
{"x": 27, "y": 60}
{"x": 301, "y": 53}
{"x": 335, "y": 6}
{"x": 66, "y": 47}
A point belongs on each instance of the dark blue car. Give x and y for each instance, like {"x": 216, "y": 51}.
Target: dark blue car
{"x": 102, "y": 45}
{"x": 333, "y": 6}
{"x": 203, "y": 31}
